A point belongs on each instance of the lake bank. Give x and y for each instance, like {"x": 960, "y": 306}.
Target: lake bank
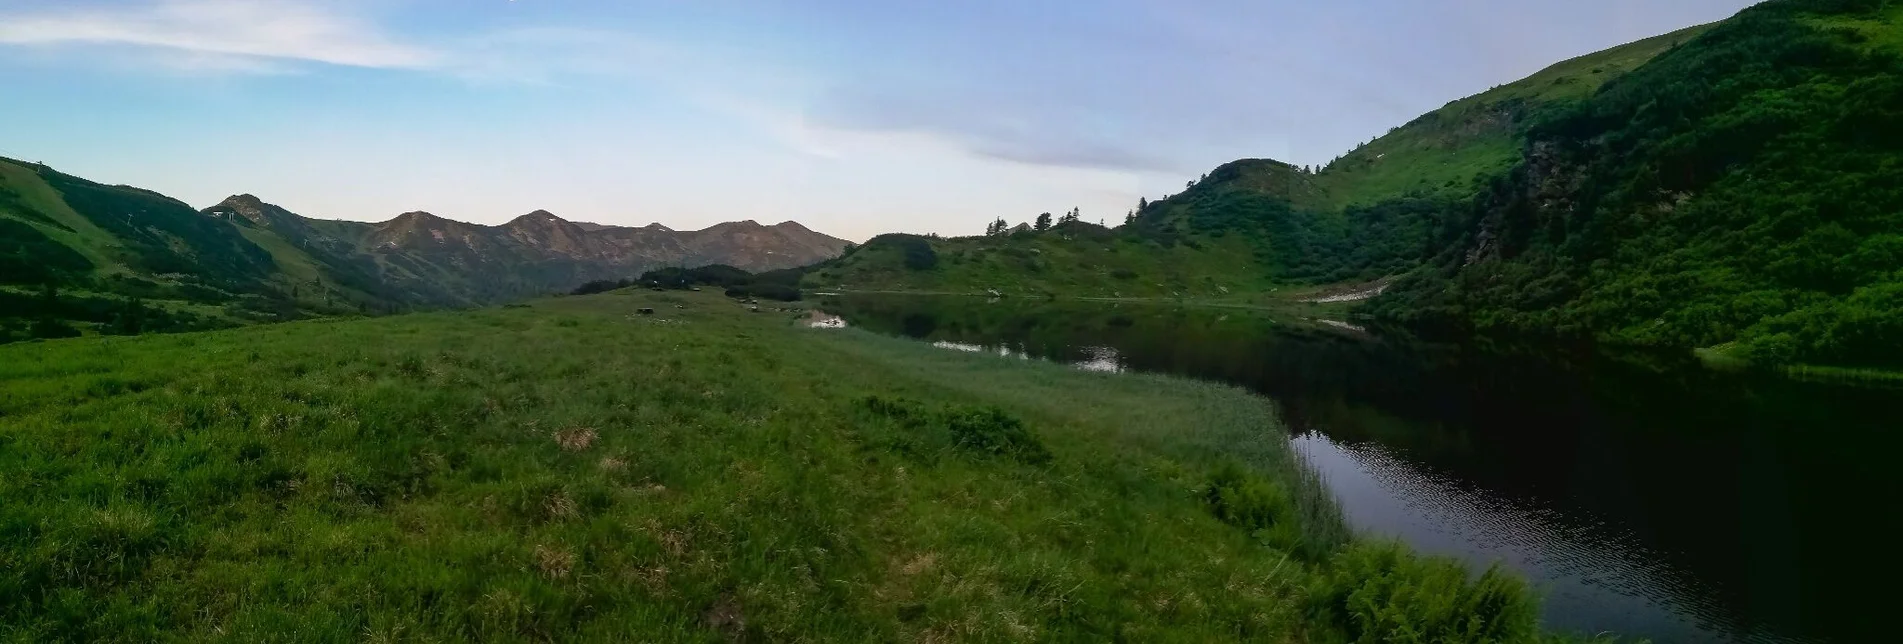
{"x": 1641, "y": 493}
{"x": 577, "y": 469}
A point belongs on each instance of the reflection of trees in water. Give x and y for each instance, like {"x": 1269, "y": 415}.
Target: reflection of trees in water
{"x": 1755, "y": 483}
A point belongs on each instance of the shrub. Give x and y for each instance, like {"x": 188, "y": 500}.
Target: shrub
{"x": 919, "y": 256}
{"x": 1380, "y": 592}
{"x": 1247, "y": 500}
{"x": 915, "y": 250}
{"x": 987, "y": 431}
{"x": 992, "y": 431}
{"x": 1124, "y": 274}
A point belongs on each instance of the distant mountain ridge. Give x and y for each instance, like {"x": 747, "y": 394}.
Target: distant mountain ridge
{"x": 260, "y": 261}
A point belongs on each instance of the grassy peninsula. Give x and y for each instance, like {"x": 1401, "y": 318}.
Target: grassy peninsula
{"x": 573, "y": 469}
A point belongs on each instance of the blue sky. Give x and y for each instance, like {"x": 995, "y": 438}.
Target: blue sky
{"x": 854, "y": 117}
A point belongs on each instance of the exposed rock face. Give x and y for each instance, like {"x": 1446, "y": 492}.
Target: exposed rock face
{"x": 536, "y": 253}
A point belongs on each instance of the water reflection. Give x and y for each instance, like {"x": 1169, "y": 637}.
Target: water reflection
{"x": 1645, "y": 495}
{"x": 1102, "y": 359}
{"x": 1597, "y": 572}
{"x": 822, "y": 320}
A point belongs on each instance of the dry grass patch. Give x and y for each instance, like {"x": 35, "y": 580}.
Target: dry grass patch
{"x": 575, "y": 439}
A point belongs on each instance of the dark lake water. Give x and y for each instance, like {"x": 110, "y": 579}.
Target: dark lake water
{"x": 1644, "y": 495}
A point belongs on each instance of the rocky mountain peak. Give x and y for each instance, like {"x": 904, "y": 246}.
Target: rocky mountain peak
{"x": 416, "y": 216}
{"x": 538, "y": 218}
{"x": 247, "y": 206}
{"x": 242, "y": 201}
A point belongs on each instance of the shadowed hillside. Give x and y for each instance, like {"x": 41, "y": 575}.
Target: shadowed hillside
{"x": 81, "y": 257}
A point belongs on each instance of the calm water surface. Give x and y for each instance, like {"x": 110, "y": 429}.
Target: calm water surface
{"x": 1644, "y": 495}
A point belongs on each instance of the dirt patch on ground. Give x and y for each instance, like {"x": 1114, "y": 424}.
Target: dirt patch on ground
{"x": 1350, "y": 293}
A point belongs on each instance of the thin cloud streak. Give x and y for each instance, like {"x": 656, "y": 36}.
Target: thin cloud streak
{"x": 212, "y": 29}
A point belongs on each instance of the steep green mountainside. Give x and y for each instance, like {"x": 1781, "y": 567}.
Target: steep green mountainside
{"x": 1445, "y": 152}
{"x": 1738, "y": 184}
{"x": 1257, "y": 224}
{"x": 1368, "y": 214}
{"x": 1745, "y": 187}
{"x": 79, "y": 256}
{"x": 120, "y": 260}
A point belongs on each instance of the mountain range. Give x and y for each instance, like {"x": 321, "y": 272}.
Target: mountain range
{"x": 245, "y": 259}
{"x": 1735, "y": 187}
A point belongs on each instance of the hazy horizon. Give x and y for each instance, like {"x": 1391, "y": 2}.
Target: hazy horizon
{"x": 851, "y": 117}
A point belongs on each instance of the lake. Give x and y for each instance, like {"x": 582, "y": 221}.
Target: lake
{"x": 1642, "y": 494}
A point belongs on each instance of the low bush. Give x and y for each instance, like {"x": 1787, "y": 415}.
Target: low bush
{"x": 1245, "y": 499}
{"x": 1380, "y": 592}
{"x": 986, "y": 431}
{"x": 992, "y": 431}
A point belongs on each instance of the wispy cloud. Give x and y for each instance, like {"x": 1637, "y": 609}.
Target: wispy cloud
{"x": 228, "y": 35}
{"x": 996, "y": 127}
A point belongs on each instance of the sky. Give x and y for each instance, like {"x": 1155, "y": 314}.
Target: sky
{"x": 853, "y": 117}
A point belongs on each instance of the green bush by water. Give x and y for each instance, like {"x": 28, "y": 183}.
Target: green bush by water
{"x": 1379, "y": 592}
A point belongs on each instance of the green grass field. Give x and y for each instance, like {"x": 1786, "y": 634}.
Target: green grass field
{"x": 573, "y": 470}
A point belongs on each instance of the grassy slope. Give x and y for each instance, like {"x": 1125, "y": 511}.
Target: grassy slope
{"x": 68, "y": 227}
{"x": 1881, "y": 30}
{"x": 1444, "y": 151}
{"x": 294, "y": 275}
{"x": 1443, "y": 154}
{"x": 1046, "y": 263}
{"x": 573, "y": 471}
{"x": 300, "y": 271}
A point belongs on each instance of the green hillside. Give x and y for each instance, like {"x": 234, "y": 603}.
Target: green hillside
{"x": 1445, "y": 152}
{"x": 1746, "y": 187}
{"x": 79, "y": 258}
{"x": 1258, "y": 225}
{"x": 1732, "y": 184}
{"x": 571, "y": 471}
{"x": 1074, "y": 259}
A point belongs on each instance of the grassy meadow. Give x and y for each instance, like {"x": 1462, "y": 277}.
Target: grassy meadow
{"x": 572, "y": 470}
